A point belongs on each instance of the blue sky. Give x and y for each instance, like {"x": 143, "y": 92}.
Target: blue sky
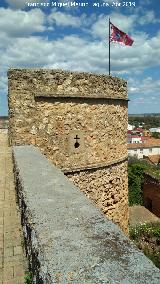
{"x": 76, "y": 38}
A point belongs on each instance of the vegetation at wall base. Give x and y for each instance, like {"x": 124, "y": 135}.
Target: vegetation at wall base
{"x": 156, "y": 135}
{"x": 147, "y": 238}
{"x": 28, "y": 278}
{"x": 136, "y": 170}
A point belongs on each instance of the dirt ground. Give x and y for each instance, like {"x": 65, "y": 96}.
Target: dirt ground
{"x": 139, "y": 214}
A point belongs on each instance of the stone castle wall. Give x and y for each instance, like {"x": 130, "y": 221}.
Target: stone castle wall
{"x": 108, "y": 189}
{"x": 79, "y": 122}
{"x": 151, "y": 194}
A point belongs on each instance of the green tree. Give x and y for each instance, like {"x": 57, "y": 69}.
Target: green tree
{"x": 135, "y": 181}
{"x": 156, "y": 135}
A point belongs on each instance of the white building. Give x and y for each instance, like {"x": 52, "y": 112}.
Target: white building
{"x": 134, "y": 139}
{"x": 140, "y": 152}
{"x": 130, "y": 127}
{"x": 151, "y": 147}
{"x": 155, "y": 129}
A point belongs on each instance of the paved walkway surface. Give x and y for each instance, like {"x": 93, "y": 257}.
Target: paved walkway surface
{"x": 12, "y": 261}
{"x": 139, "y": 215}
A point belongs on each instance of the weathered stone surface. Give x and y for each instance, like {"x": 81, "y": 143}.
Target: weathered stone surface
{"x": 104, "y": 133}
{"x": 108, "y": 189}
{"x": 68, "y": 240}
{"x": 49, "y": 122}
{"x": 65, "y": 83}
{"x": 50, "y": 108}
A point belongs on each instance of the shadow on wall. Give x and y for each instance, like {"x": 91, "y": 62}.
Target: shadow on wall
{"x": 151, "y": 194}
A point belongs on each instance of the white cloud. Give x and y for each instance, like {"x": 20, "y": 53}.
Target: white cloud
{"x": 88, "y": 54}
{"x": 31, "y": 51}
{"x": 71, "y": 52}
{"x": 146, "y": 2}
{"x": 20, "y": 23}
{"x": 123, "y": 22}
{"x": 133, "y": 89}
{"x": 147, "y": 18}
{"x": 146, "y": 104}
{"x": 146, "y": 86}
{"x": 3, "y": 83}
{"x": 144, "y": 95}
{"x": 101, "y": 27}
{"x": 64, "y": 19}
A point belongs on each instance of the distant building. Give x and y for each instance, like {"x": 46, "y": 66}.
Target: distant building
{"x": 149, "y": 147}
{"x": 129, "y": 132}
{"x": 152, "y": 159}
{"x": 134, "y": 139}
{"x": 130, "y": 127}
{"x": 138, "y": 131}
{"x": 155, "y": 129}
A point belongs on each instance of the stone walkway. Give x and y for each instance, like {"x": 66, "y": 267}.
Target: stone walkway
{"x": 12, "y": 263}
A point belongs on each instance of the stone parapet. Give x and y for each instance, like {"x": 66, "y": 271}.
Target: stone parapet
{"x": 59, "y": 83}
{"x": 67, "y": 239}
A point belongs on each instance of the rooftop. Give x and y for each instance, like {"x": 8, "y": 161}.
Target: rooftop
{"x": 155, "y": 159}
{"x": 150, "y": 143}
{"x": 134, "y": 136}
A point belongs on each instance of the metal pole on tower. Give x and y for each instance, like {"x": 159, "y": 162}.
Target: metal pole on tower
{"x": 109, "y": 49}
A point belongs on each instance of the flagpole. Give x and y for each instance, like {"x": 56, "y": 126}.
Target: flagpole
{"x": 109, "y": 50}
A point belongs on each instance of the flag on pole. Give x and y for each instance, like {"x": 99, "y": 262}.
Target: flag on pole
{"x": 119, "y": 36}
